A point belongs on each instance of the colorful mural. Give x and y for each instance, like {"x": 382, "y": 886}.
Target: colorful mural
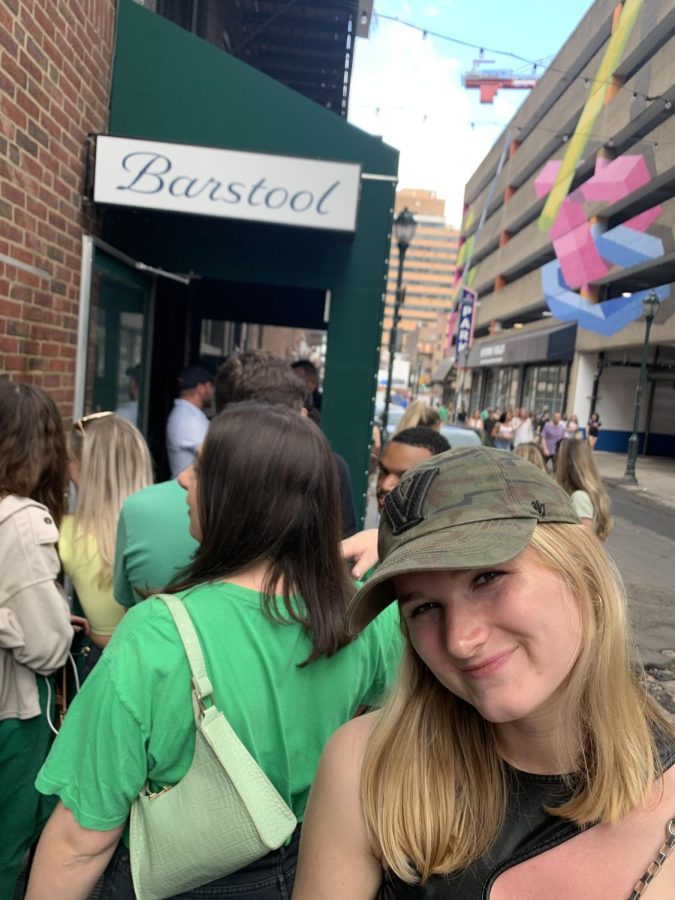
{"x": 586, "y": 253}
{"x": 599, "y": 93}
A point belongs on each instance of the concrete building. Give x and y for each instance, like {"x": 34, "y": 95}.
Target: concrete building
{"x": 428, "y": 281}
{"x": 578, "y": 209}
{"x": 276, "y": 212}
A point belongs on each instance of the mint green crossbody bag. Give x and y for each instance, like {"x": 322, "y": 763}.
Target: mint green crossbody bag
{"x": 224, "y": 814}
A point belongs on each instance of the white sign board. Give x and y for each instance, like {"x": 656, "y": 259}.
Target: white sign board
{"x": 206, "y": 181}
{"x": 492, "y": 352}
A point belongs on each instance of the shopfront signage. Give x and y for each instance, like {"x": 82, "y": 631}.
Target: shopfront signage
{"x": 465, "y": 313}
{"x": 543, "y": 344}
{"x": 492, "y": 353}
{"x": 231, "y": 184}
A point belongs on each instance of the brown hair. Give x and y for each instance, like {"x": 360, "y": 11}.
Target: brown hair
{"x": 575, "y": 470}
{"x": 258, "y": 376}
{"x": 267, "y": 490}
{"x": 32, "y": 447}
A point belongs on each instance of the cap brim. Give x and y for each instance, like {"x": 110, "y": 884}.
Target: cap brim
{"x": 468, "y": 546}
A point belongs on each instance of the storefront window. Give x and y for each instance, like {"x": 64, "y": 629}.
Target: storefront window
{"x": 500, "y": 387}
{"x": 544, "y": 386}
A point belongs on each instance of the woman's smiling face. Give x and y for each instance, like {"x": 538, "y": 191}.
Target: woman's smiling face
{"x": 504, "y": 639}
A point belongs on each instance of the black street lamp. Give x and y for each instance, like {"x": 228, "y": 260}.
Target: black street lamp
{"x": 404, "y": 232}
{"x": 650, "y": 306}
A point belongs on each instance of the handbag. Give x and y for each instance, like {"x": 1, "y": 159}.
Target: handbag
{"x": 223, "y": 815}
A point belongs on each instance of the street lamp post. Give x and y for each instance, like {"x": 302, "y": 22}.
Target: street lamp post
{"x": 404, "y": 232}
{"x": 650, "y": 307}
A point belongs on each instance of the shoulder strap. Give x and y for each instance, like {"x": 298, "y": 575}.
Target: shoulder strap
{"x": 200, "y": 680}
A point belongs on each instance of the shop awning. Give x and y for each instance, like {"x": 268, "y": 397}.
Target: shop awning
{"x": 443, "y": 370}
{"x": 545, "y": 344}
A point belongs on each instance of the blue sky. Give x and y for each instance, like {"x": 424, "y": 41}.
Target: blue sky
{"x": 407, "y": 88}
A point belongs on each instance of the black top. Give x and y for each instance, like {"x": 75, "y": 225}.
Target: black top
{"x": 527, "y": 831}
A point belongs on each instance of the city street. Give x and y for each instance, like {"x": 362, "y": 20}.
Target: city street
{"x": 643, "y": 546}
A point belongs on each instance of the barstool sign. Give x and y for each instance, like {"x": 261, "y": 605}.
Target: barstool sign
{"x": 208, "y": 181}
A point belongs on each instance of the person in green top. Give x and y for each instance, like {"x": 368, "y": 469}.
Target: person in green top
{"x": 267, "y": 591}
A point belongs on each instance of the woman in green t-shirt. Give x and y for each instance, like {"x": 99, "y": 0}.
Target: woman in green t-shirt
{"x": 267, "y": 592}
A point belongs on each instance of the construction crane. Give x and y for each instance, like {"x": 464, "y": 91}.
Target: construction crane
{"x": 489, "y": 81}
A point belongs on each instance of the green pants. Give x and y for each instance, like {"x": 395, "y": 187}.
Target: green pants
{"x": 24, "y": 745}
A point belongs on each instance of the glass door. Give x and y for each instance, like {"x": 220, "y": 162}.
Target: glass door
{"x": 113, "y": 359}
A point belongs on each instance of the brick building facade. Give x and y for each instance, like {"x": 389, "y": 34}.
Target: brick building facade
{"x": 55, "y": 65}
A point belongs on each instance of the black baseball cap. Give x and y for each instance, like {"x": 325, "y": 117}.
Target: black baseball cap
{"x": 192, "y": 376}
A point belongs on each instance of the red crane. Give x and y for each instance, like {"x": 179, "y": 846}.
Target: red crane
{"x": 489, "y": 81}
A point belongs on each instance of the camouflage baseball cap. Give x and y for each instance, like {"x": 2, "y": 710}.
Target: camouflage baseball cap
{"x": 464, "y": 509}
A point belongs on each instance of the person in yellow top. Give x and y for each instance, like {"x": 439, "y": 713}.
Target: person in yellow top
{"x": 108, "y": 461}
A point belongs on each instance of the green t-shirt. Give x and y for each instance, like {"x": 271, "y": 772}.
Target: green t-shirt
{"x": 133, "y": 720}
{"x": 153, "y": 541}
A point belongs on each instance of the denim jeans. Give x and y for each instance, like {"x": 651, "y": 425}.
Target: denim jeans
{"x": 270, "y": 878}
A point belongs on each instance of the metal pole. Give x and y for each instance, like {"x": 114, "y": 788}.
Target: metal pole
{"x": 398, "y": 299}
{"x": 633, "y": 440}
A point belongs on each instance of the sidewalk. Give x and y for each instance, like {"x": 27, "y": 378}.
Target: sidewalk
{"x": 655, "y": 475}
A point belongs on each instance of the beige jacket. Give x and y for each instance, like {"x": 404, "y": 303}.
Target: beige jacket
{"x": 35, "y": 630}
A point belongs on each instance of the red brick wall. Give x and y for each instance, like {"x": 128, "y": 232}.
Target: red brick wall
{"x": 55, "y": 62}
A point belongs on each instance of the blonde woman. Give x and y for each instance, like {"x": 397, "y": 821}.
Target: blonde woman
{"x": 576, "y": 473}
{"x": 518, "y": 754}
{"x": 419, "y": 413}
{"x": 108, "y": 461}
{"x": 532, "y": 454}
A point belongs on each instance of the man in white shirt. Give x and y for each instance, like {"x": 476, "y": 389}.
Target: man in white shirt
{"x": 187, "y": 424}
{"x": 524, "y": 432}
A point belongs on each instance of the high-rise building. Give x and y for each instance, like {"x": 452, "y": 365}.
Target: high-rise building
{"x": 427, "y": 281}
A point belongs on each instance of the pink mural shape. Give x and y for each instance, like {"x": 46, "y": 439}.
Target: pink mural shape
{"x": 544, "y": 180}
{"x": 571, "y": 233}
{"x": 643, "y": 221}
{"x": 578, "y": 256}
{"x": 616, "y": 180}
{"x": 586, "y": 252}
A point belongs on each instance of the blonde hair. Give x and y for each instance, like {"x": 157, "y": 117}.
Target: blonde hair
{"x": 433, "y": 783}
{"x": 419, "y": 413}
{"x": 114, "y": 463}
{"x": 575, "y": 470}
{"x": 532, "y": 454}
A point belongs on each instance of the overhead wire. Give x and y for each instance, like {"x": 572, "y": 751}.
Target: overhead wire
{"x": 563, "y": 135}
{"x": 482, "y": 48}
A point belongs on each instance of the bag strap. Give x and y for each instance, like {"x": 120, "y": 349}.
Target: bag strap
{"x": 201, "y": 684}
{"x": 655, "y": 867}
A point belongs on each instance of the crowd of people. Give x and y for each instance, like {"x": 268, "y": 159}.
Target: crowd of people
{"x": 456, "y": 691}
{"x": 507, "y": 429}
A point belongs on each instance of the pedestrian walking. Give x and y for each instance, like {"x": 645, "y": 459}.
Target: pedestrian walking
{"x": 35, "y": 628}
{"x": 502, "y": 432}
{"x": 524, "y": 430}
{"x": 572, "y": 431}
{"x": 551, "y": 435}
{"x": 593, "y": 430}
{"x": 475, "y": 421}
{"x": 518, "y": 749}
{"x": 577, "y": 475}
{"x": 266, "y": 592}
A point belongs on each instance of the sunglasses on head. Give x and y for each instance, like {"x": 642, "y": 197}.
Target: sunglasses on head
{"x": 85, "y": 420}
